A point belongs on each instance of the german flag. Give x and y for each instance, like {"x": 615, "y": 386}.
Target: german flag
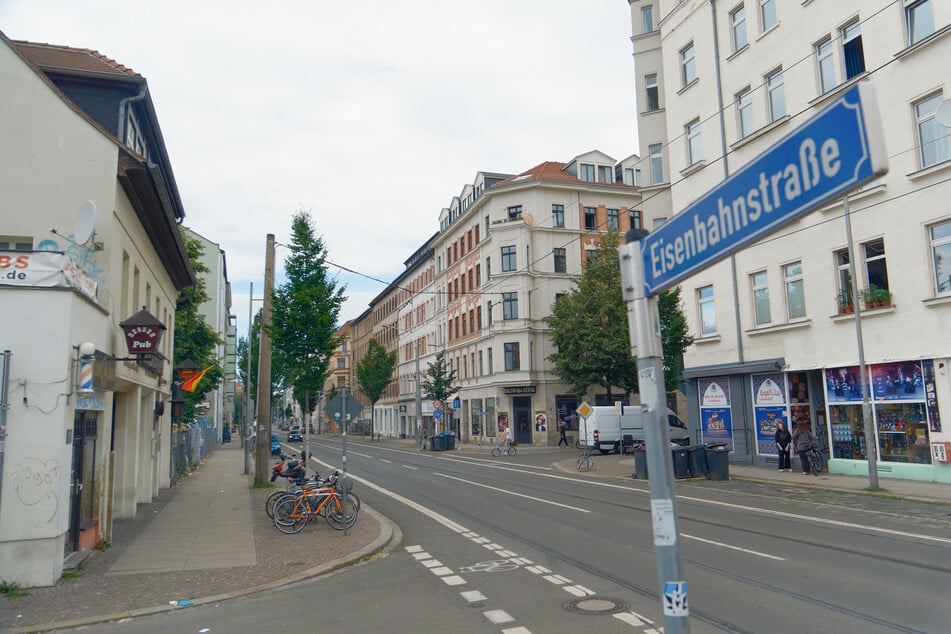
{"x": 192, "y": 383}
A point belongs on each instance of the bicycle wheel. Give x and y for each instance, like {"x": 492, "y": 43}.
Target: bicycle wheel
{"x": 342, "y": 517}
{"x": 815, "y": 463}
{"x": 511, "y": 450}
{"x": 285, "y": 518}
{"x": 273, "y": 499}
{"x": 585, "y": 463}
{"x": 496, "y": 452}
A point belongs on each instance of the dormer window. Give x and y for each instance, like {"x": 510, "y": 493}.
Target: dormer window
{"x": 587, "y": 173}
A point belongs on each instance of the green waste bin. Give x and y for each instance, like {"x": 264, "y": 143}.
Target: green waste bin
{"x": 718, "y": 462}
{"x": 450, "y": 441}
{"x": 698, "y": 460}
{"x": 681, "y": 462}
{"x": 640, "y": 462}
{"x": 438, "y": 443}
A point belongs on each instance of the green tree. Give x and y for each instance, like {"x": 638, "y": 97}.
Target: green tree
{"x": 374, "y": 373}
{"x": 304, "y": 315}
{"x": 674, "y": 335}
{"x": 195, "y": 339}
{"x": 589, "y": 328}
{"x": 437, "y": 383}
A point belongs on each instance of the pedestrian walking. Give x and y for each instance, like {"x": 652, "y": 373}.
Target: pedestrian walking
{"x": 562, "y": 428}
{"x": 783, "y": 440}
{"x": 803, "y": 440}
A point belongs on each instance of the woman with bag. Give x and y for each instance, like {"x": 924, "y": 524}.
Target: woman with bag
{"x": 783, "y": 439}
{"x": 803, "y": 440}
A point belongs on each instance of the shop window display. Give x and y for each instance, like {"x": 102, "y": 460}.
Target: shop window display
{"x": 848, "y": 432}
{"x": 903, "y": 433}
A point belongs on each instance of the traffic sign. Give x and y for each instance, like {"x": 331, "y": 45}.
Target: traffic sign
{"x": 437, "y": 414}
{"x": 349, "y": 408}
{"x": 836, "y": 150}
{"x": 456, "y": 403}
{"x": 584, "y": 409}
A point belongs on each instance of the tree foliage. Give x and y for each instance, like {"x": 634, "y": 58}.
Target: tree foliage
{"x": 195, "y": 338}
{"x": 304, "y": 314}
{"x": 437, "y": 383}
{"x": 374, "y": 373}
{"x": 589, "y": 328}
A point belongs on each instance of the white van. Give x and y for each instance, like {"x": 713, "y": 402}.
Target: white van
{"x": 606, "y": 430}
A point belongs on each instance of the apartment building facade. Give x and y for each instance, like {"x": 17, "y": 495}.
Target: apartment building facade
{"x": 718, "y": 83}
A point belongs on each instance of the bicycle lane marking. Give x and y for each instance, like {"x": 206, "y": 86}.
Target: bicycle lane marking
{"x": 521, "y": 495}
{"x": 448, "y": 576}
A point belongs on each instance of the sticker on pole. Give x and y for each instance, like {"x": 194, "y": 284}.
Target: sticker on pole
{"x": 675, "y": 599}
{"x": 665, "y": 529}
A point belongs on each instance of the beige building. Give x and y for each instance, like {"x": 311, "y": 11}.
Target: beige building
{"x": 89, "y": 238}
{"x": 719, "y": 83}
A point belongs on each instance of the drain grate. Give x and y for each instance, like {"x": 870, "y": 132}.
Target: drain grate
{"x": 596, "y": 605}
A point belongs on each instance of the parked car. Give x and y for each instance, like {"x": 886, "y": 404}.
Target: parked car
{"x": 275, "y": 445}
{"x": 295, "y": 434}
{"x": 605, "y": 430}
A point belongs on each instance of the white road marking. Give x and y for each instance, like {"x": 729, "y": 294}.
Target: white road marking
{"x": 432, "y": 563}
{"x": 517, "y": 630}
{"x": 414, "y": 549}
{"x": 633, "y": 619}
{"x": 521, "y": 495}
{"x": 473, "y": 596}
{"x": 386, "y": 461}
{"x": 454, "y": 580}
{"x": 405, "y": 466}
{"x": 498, "y": 616}
{"x": 441, "y": 571}
{"x": 555, "y": 579}
{"x": 722, "y": 545}
{"x": 422, "y": 555}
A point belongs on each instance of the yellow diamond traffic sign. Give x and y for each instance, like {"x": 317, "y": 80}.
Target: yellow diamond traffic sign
{"x": 584, "y": 409}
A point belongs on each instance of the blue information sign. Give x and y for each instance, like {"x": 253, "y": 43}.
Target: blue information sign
{"x": 837, "y": 150}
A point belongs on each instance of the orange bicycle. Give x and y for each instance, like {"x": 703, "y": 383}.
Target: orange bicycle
{"x": 292, "y": 513}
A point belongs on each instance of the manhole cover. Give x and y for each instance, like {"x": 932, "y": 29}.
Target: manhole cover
{"x": 596, "y": 605}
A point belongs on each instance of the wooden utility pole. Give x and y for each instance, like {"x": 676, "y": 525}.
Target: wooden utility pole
{"x": 262, "y": 451}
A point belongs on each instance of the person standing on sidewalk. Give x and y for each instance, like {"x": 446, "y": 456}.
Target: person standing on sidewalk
{"x": 562, "y": 428}
{"x": 803, "y": 440}
{"x": 783, "y": 439}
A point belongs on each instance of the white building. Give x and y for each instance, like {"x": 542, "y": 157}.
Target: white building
{"x": 89, "y": 236}
{"x": 717, "y": 84}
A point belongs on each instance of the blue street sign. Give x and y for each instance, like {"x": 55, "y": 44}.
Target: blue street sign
{"x": 456, "y": 403}
{"x": 437, "y": 414}
{"x": 835, "y": 151}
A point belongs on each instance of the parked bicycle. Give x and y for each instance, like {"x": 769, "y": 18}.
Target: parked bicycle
{"x": 296, "y": 487}
{"x": 291, "y": 514}
{"x": 584, "y": 461}
{"x": 816, "y": 460}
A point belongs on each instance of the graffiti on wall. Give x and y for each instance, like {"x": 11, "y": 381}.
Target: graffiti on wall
{"x": 84, "y": 257}
{"x": 36, "y": 483}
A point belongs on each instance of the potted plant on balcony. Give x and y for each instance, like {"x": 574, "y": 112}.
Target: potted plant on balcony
{"x": 875, "y": 297}
{"x": 844, "y": 300}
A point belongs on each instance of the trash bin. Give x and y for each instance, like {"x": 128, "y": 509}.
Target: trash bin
{"x": 718, "y": 462}
{"x": 437, "y": 443}
{"x": 450, "y": 441}
{"x": 698, "y": 460}
{"x": 681, "y": 462}
{"x": 640, "y": 462}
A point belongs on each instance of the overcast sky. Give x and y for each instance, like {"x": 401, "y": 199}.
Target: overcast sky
{"x": 371, "y": 114}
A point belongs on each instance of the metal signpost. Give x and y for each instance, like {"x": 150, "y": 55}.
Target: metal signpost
{"x": 342, "y": 407}
{"x": 833, "y": 152}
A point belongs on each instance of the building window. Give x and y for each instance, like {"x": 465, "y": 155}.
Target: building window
{"x": 588, "y": 173}
{"x": 941, "y": 256}
{"x": 657, "y": 163}
{"x": 488, "y": 311}
{"x": 659, "y": 222}
{"x": 561, "y": 263}
{"x": 605, "y": 174}
{"x": 694, "y": 152}
{"x": 512, "y": 360}
{"x": 590, "y": 217}
{"x": 341, "y": 363}
{"x": 631, "y": 176}
{"x": 744, "y": 112}
{"x": 767, "y": 14}
{"x": 509, "y": 305}
{"x": 932, "y": 136}
{"x": 489, "y": 361}
{"x": 634, "y": 218}
{"x": 708, "y": 313}
{"x": 919, "y": 20}
{"x": 738, "y": 27}
{"x": 688, "y": 66}
{"x": 590, "y": 254}
{"x": 647, "y": 19}
{"x": 759, "y": 283}
{"x": 852, "y": 50}
{"x": 876, "y": 272}
{"x": 653, "y": 95}
{"x": 844, "y": 277}
{"x": 557, "y": 215}
{"x": 8, "y": 243}
{"x": 795, "y": 291}
{"x": 515, "y": 212}
{"x": 481, "y": 365}
{"x": 776, "y": 95}
{"x": 612, "y": 219}
{"x": 508, "y": 258}
{"x": 825, "y": 65}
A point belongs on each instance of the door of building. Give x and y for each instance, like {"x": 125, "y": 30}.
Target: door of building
{"x": 522, "y": 410}
{"x": 82, "y": 477}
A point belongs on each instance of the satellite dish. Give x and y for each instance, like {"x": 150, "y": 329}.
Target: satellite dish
{"x": 943, "y": 113}
{"x": 527, "y": 218}
{"x": 85, "y": 222}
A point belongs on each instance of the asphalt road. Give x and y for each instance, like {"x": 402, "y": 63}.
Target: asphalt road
{"x": 514, "y": 545}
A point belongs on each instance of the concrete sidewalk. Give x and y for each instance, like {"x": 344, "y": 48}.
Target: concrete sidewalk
{"x": 205, "y": 539}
